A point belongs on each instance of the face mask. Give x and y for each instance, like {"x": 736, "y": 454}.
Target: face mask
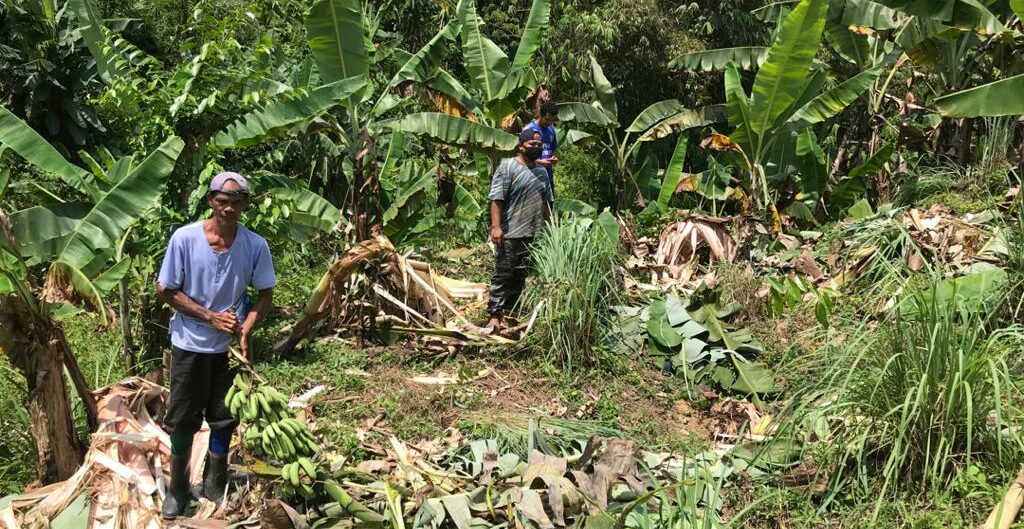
{"x": 532, "y": 153}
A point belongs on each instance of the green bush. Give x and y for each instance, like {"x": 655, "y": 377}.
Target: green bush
{"x": 575, "y": 288}
{"x": 906, "y": 408}
{"x": 581, "y": 175}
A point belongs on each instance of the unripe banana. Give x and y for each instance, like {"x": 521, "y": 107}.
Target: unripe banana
{"x": 308, "y": 467}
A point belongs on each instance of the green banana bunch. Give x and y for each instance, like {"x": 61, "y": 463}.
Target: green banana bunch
{"x": 299, "y": 477}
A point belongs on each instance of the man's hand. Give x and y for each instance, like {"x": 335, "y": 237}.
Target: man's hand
{"x": 548, "y": 162}
{"x": 224, "y": 322}
{"x": 497, "y": 235}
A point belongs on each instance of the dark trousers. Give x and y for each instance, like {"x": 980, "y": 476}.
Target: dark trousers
{"x": 511, "y": 266}
{"x": 199, "y": 383}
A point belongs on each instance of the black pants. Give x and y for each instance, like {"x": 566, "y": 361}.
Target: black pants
{"x": 511, "y": 266}
{"x": 199, "y": 382}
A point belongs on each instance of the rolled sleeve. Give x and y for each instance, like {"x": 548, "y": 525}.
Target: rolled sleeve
{"x": 500, "y": 183}
{"x": 172, "y": 270}
{"x": 263, "y": 276}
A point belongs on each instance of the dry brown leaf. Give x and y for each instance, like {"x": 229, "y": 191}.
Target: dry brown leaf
{"x": 720, "y": 142}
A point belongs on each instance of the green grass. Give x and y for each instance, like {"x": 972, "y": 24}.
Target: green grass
{"x": 915, "y": 402}
{"x": 575, "y": 286}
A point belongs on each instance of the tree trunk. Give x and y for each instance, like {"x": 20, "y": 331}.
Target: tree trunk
{"x": 36, "y": 347}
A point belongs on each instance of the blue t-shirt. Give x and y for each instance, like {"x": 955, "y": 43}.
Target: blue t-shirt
{"x": 215, "y": 280}
{"x": 548, "y": 144}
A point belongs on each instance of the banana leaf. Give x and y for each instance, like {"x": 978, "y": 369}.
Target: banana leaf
{"x": 746, "y": 58}
{"x": 309, "y": 208}
{"x": 90, "y": 24}
{"x": 486, "y": 64}
{"x": 603, "y": 89}
{"x": 284, "y": 112}
{"x": 784, "y": 73}
{"x": 672, "y": 173}
{"x": 335, "y": 33}
{"x": 1001, "y": 98}
{"x": 530, "y": 41}
{"x": 584, "y": 113}
{"x": 654, "y": 114}
{"x": 456, "y": 131}
{"x": 829, "y": 104}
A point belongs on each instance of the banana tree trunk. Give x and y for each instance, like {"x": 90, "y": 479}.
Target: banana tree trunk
{"x": 36, "y": 347}
{"x": 882, "y": 177}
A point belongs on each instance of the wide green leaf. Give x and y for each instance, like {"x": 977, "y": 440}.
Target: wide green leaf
{"x": 106, "y": 281}
{"x": 425, "y": 63}
{"x": 308, "y": 208}
{"x": 531, "y": 39}
{"x": 575, "y": 137}
{"x": 869, "y": 14}
{"x": 27, "y": 143}
{"x": 335, "y": 32}
{"x": 737, "y": 105}
{"x": 849, "y": 45}
{"x": 971, "y": 293}
{"x": 41, "y": 231}
{"x": 90, "y": 23}
{"x": 851, "y": 187}
{"x": 830, "y": 103}
{"x": 654, "y": 114}
{"x": 672, "y": 173}
{"x": 752, "y": 377}
{"x": 746, "y": 57}
{"x": 603, "y": 89}
{"x": 486, "y": 64}
{"x": 684, "y": 120}
{"x": 1001, "y": 98}
{"x": 456, "y": 131}
{"x": 784, "y": 73}
{"x": 583, "y": 113}
{"x": 121, "y": 206}
{"x": 1018, "y": 7}
{"x": 285, "y": 111}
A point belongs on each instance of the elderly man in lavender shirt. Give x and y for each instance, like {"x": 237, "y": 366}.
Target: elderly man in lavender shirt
{"x": 206, "y": 272}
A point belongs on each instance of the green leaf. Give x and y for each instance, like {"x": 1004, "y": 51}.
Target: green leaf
{"x": 861, "y": 210}
{"x": 672, "y": 173}
{"x": 486, "y": 64}
{"x": 121, "y": 206}
{"x": 425, "y": 63}
{"x": 106, "y": 281}
{"x": 874, "y": 163}
{"x": 531, "y": 39}
{"x": 27, "y": 143}
{"x": 783, "y": 75}
{"x": 970, "y": 293}
{"x": 663, "y": 333}
{"x": 41, "y": 231}
{"x": 456, "y": 131}
{"x": 466, "y": 202}
{"x": 576, "y": 137}
{"x": 655, "y": 113}
{"x": 309, "y": 208}
{"x": 752, "y": 377}
{"x": 584, "y": 113}
{"x": 407, "y": 191}
{"x": 610, "y": 225}
{"x": 604, "y": 90}
{"x": 850, "y": 187}
{"x": 335, "y": 32}
{"x": 746, "y": 58}
{"x": 1001, "y": 98}
{"x": 849, "y": 45}
{"x": 1018, "y": 7}
{"x": 834, "y": 101}
{"x": 685, "y": 120}
{"x": 284, "y": 112}
{"x": 576, "y": 207}
{"x": 869, "y": 14}
{"x": 90, "y": 24}
{"x": 737, "y": 105}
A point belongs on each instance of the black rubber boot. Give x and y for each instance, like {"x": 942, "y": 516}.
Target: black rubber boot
{"x": 215, "y": 477}
{"x": 177, "y": 497}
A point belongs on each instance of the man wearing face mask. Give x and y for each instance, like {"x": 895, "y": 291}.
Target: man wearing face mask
{"x": 520, "y": 204}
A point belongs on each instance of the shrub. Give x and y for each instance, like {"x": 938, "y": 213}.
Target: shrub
{"x": 575, "y": 287}
{"x": 910, "y": 405}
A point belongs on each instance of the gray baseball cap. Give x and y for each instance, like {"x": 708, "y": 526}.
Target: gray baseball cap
{"x": 218, "y": 182}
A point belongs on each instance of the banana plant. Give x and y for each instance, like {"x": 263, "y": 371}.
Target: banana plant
{"x": 476, "y": 117}
{"x": 76, "y": 239}
{"x": 74, "y": 242}
{"x": 785, "y": 102}
{"x": 657, "y": 121}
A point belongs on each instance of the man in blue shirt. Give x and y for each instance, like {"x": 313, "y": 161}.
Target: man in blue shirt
{"x": 545, "y": 125}
{"x": 206, "y": 271}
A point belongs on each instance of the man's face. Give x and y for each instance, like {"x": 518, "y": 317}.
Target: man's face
{"x": 228, "y": 206}
{"x": 548, "y": 119}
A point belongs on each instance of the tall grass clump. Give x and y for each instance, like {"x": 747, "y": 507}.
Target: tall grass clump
{"x": 575, "y": 286}
{"x": 910, "y": 404}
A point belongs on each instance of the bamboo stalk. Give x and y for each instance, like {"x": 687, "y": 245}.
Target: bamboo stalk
{"x": 1003, "y": 515}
